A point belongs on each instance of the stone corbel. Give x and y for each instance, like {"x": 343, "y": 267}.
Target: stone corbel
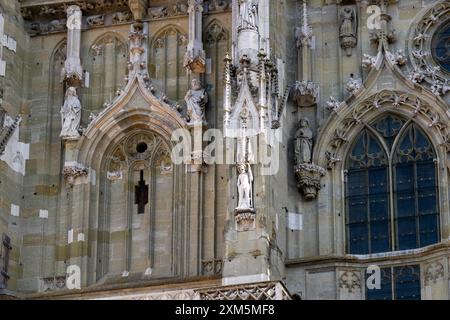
{"x": 245, "y": 219}
{"x": 138, "y": 8}
{"x": 73, "y": 172}
{"x": 306, "y": 93}
{"x": 308, "y": 179}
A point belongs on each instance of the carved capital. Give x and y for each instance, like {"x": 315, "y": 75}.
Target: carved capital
{"x": 71, "y": 173}
{"x": 245, "y": 219}
{"x": 308, "y": 179}
{"x": 306, "y": 93}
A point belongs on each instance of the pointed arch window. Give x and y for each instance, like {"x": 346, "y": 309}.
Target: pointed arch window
{"x": 391, "y": 189}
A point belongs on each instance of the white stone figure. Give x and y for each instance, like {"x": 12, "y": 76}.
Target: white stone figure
{"x": 248, "y": 11}
{"x": 244, "y": 185}
{"x": 70, "y": 115}
{"x": 303, "y": 142}
{"x": 196, "y": 99}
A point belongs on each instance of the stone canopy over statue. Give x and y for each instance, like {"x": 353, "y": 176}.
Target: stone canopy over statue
{"x": 70, "y": 115}
{"x": 196, "y": 99}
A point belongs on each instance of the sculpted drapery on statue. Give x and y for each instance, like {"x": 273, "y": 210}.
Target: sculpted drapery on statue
{"x": 244, "y": 185}
{"x": 347, "y": 30}
{"x": 303, "y": 142}
{"x": 248, "y": 11}
{"x": 196, "y": 99}
{"x": 70, "y": 115}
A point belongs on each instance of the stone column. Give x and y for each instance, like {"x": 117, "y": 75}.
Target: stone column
{"x": 194, "y": 60}
{"x": 73, "y": 72}
{"x": 248, "y": 252}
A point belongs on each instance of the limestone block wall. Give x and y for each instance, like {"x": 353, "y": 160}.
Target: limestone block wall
{"x": 14, "y": 163}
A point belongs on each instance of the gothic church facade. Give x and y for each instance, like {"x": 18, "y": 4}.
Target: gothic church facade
{"x": 224, "y": 149}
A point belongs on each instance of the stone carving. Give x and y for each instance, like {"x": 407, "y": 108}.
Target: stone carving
{"x": 194, "y": 59}
{"x": 303, "y": 142}
{"x": 158, "y": 12}
{"x": 396, "y": 58}
{"x": 72, "y": 72}
{"x": 416, "y": 76}
{"x": 212, "y": 267}
{"x": 196, "y": 99}
{"x": 333, "y": 105}
{"x": 176, "y": 9}
{"x": 53, "y": 284}
{"x": 70, "y": 115}
{"x": 308, "y": 174}
{"x": 332, "y": 159}
{"x": 248, "y": 14}
{"x": 97, "y": 20}
{"x": 35, "y": 10}
{"x": 347, "y": 30}
{"x": 425, "y": 70}
{"x": 308, "y": 179}
{"x": 122, "y": 17}
{"x": 137, "y": 37}
{"x": 257, "y": 291}
{"x": 73, "y": 172}
{"x": 217, "y": 5}
{"x": 304, "y": 34}
{"x": 369, "y": 61}
{"x": 244, "y": 185}
{"x": 433, "y": 272}
{"x": 353, "y": 85}
{"x": 350, "y": 280}
{"x": 306, "y": 93}
{"x": 387, "y": 99}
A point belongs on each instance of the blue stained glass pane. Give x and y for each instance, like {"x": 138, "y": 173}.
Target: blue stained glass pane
{"x": 367, "y": 197}
{"x": 385, "y": 291}
{"x": 415, "y": 191}
{"x": 358, "y": 242}
{"x": 441, "y": 47}
{"x": 407, "y": 283}
{"x": 388, "y": 128}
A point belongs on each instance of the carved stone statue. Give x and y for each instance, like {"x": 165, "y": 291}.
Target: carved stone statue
{"x": 244, "y": 185}
{"x": 303, "y": 142}
{"x": 70, "y": 115}
{"x": 196, "y": 99}
{"x": 347, "y": 30}
{"x": 248, "y": 11}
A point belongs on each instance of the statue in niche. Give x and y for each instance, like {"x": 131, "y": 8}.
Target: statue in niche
{"x": 347, "y": 30}
{"x": 303, "y": 142}
{"x": 248, "y": 11}
{"x": 244, "y": 185}
{"x": 70, "y": 115}
{"x": 196, "y": 99}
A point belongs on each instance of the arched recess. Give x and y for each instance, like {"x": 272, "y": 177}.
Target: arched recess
{"x": 216, "y": 46}
{"x": 167, "y": 50}
{"x": 391, "y": 188}
{"x": 135, "y": 112}
{"x": 136, "y": 222}
{"x": 344, "y": 127}
{"x": 106, "y": 62}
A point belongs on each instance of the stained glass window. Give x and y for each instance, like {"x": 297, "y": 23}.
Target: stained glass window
{"x": 368, "y": 220}
{"x": 441, "y": 47}
{"x": 374, "y": 224}
{"x": 397, "y": 283}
